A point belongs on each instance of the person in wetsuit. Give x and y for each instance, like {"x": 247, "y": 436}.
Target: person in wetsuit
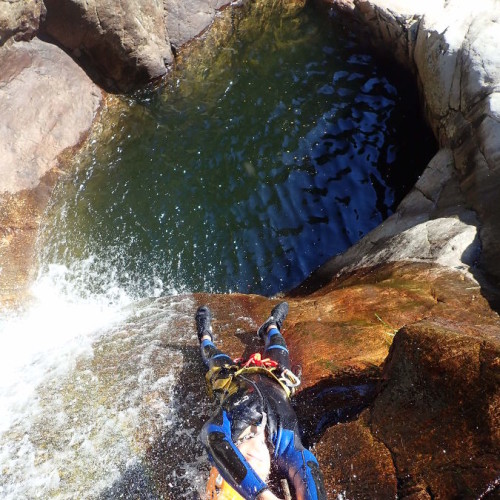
{"x": 255, "y": 418}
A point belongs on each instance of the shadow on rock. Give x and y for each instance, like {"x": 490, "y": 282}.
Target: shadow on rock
{"x": 333, "y": 401}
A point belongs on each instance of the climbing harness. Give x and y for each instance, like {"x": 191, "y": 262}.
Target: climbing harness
{"x": 285, "y": 376}
{"x": 220, "y": 378}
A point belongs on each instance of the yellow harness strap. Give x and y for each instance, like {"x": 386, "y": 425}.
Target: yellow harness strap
{"x": 223, "y": 385}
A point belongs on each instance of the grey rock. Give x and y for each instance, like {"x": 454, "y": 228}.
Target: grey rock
{"x": 47, "y": 104}
{"x": 451, "y": 47}
{"x": 460, "y": 69}
{"x": 185, "y": 20}
{"x": 126, "y": 40}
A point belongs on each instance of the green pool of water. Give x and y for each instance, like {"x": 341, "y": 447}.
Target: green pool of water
{"x": 245, "y": 172}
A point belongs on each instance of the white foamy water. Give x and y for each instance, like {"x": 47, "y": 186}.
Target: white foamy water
{"x": 86, "y": 388}
{"x": 46, "y": 337}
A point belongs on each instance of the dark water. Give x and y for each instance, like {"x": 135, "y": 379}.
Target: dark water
{"x": 245, "y": 172}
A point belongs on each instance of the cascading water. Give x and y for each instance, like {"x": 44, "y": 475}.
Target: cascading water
{"x": 79, "y": 414}
{"x": 243, "y": 173}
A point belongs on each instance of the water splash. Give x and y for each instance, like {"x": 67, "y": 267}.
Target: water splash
{"x": 88, "y": 390}
{"x": 56, "y": 326}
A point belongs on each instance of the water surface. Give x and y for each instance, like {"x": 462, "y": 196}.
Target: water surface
{"x": 245, "y": 172}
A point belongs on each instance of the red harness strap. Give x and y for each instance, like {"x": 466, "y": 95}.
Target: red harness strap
{"x": 256, "y": 360}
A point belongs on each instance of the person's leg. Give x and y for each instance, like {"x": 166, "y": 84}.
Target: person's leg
{"x": 276, "y": 348}
{"x": 275, "y": 345}
{"x": 210, "y": 354}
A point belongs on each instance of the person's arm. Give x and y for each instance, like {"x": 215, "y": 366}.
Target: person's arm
{"x": 301, "y": 467}
{"x": 231, "y": 464}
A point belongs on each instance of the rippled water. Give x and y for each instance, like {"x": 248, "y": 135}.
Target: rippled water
{"x": 246, "y": 172}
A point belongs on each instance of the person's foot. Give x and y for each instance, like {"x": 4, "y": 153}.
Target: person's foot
{"x": 203, "y": 318}
{"x": 278, "y": 315}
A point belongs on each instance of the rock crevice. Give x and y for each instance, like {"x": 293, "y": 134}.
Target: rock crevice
{"x": 446, "y": 46}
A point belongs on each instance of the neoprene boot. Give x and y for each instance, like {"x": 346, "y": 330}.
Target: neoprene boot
{"x": 203, "y": 318}
{"x": 278, "y": 315}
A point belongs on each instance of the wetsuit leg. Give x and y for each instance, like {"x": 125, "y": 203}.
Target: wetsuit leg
{"x": 276, "y": 348}
{"x": 212, "y": 356}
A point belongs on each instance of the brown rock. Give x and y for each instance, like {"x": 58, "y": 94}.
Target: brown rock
{"x": 127, "y": 41}
{"x": 20, "y": 215}
{"x": 20, "y": 19}
{"x": 440, "y": 411}
{"x": 355, "y": 464}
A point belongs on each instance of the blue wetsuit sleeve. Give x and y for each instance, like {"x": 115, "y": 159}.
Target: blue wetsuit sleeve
{"x": 231, "y": 464}
{"x": 300, "y": 465}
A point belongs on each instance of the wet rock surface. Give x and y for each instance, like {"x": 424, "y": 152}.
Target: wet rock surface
{"x": 355, "y": 463}
{"x": 436, "y": 411}
{"x": 47, "y": 104}
{"x": 20, "y": 216}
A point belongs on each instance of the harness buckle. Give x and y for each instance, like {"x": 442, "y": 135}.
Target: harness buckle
{"x": 289, "y": 378}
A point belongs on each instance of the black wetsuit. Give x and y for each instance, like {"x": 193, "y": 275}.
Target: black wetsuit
{"x": 256, "y": 397}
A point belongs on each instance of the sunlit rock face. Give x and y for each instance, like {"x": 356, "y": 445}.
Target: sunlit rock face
{"x": 399, "y": 392}
{"x": 450, "y": 49}
{"x": 47, "y": 103}
{"x": 435, "y": 406}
